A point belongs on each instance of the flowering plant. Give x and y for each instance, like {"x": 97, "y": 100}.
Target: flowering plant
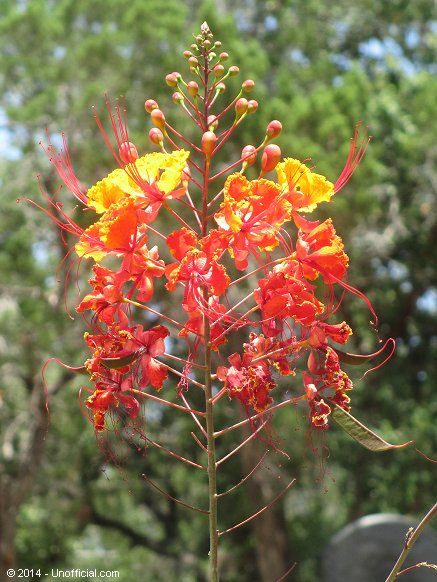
{"x": 242, "y": 255}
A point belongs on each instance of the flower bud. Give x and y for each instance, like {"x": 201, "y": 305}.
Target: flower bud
{"x": 156, "y": 136}
{"x": 248, "y": 85}
{"x": 212, "y": 122}
{"x": 193, "y": 88}
{"x": 177, "y": 98}
{"x": 128, "y": 152}
{"x": 248, "y": 155}
{"x": 274, "y": 128}
{"x": 187, "y": 54}
{"x": 186, "y": 175}
{"x": 220, "y": 87}
{"x": 209, "y": 139}
{"x": 171, "y": 79}
{"x": 150, "y": 105}
{"x": 158, "y": 118}
{"x": 271, "y": 156}
{"x": 252, "y": 106}
{"x": 219, "y": 70}
{"x": 233, "y": 70}
{"x": 223, "y": 57}
{"x": 217, "y": 44}
{"x": 241, "y": 106}
{"x": 193, "y": 62}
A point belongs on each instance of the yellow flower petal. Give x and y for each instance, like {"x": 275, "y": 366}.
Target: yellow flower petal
{"x": 305, "y": 189}
{"x": 106, "y": 192}
{"x": 163, "y": 169}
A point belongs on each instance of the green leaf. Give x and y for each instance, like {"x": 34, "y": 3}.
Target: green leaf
{"x": 117, "y": 363}
{"x": 354, "y": 359}
{"x": 359, "y": 432}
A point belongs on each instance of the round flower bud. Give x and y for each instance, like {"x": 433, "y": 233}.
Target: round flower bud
{"x": 241, "y": 106}
{"x": 233, "y": 70}
{"x": 187, "y": 54}
{"x": 274, "y": 128}
{"x": 212, "y": 122}
{"x": 209, "y": 139}
{"x": 223, "y": 57}
{"x": 171, "y": 80}
{"x": 248, "y": 85}
{"x": 177, "y": 98}
{"x": 193, "y": 88}
{"x": 156, "y": 136}
{"x": 252, "y": 106}
{"x": 248, "y": 155}
{"x": 220, "y": 87}
{"x": 193, "y": 62}
{"x": 150, "y": 105}
{"x": 128, "y": 152}
{"x": 271, "y": 156}
{"x": 186, "y": 175}
{"x": 219, "y": 70}
{"x": 158, "y": 118}
{"x": 217, "y": 44}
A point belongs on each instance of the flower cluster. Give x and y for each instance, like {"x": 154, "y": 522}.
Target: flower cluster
{"x": 243, "y": 253}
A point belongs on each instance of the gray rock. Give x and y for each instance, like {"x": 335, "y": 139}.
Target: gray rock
{"x": 367, "y": 549}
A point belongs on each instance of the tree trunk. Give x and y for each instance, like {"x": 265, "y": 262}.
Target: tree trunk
{"x": 269, "y": 528}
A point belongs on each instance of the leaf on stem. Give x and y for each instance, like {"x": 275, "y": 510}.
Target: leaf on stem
{"x": 361, "y": 433}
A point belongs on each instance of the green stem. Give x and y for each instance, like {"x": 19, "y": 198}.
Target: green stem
{"x": 209, "y": 403}
{"x": 411, "y": 539}
{"x": 212, "y": 465}
{"x": 209, "y": 413}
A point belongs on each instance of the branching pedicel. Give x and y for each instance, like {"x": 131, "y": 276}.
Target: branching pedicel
{"x": 250, "y": 234}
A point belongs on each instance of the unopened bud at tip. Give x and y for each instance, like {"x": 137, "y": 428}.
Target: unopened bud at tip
{"x": 248, "y": 85}
{"x": 172, "y": 79}
{"x": 158, "y": 118}
{"x": 156, "y": 136}
{"x": 241, "y": 106}
{"x": 270, "y": 158}
{"x": 274, "y": 128}
{"x": 128, "y": 152}
{"x": 177, "y": 98}
{"x": 209, "y": 139}
{"x": 186, "y": 175}
{"x": 150, "y": 105}
{"x": 212, "y": 122}
{"x": 233, "y": 70}
{"x": 219, "y": 70}
{"x": 193, "y": 88}
{"x": 248, "y": 155}
{"x": 252, "y": 106}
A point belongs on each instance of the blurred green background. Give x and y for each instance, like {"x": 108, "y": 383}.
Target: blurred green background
{"x": 319, "y": 67}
